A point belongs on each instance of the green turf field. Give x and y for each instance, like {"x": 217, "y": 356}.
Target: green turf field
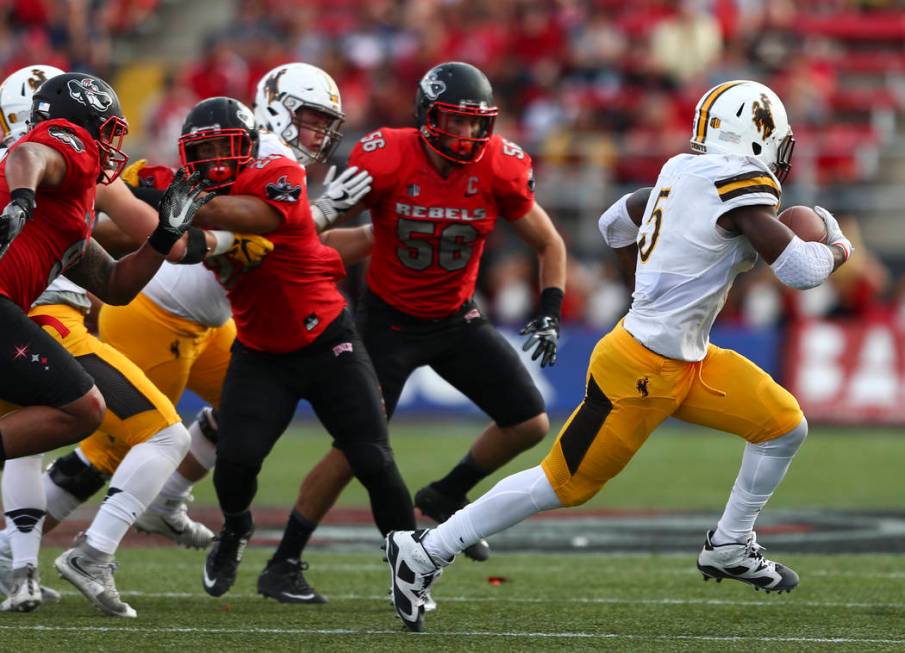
{"x": 548, "y": 601}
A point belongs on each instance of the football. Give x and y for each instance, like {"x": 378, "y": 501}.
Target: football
{"x": 805, "y": 222}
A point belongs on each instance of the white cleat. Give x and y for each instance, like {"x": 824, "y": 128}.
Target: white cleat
{"x": 94, "y": 579}
{"x": 48, "y": 595}
{"x": 25, "y": 594}
{"x": 412, "y": 572}
{"x": 745, "y": 562}
{"x": 175, "y": 524}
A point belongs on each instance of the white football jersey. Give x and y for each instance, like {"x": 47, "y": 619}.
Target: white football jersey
{"x": 686, "y": 262}
{"x": 191, "y": 292}
{"x": 269, "y": 143}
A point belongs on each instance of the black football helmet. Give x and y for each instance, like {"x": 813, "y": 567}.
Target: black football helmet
{"x": 218, "y": 139}
{"x": 455, "y": 91}
{"x": 90, "y": 103}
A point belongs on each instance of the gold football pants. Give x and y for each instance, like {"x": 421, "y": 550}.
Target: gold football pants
{"x": 631, "y": 390}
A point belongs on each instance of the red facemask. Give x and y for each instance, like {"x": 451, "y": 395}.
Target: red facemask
{"x": 454, "y": 146}
{"x": 221, "y": 170}
{"x": 110, "y": 141}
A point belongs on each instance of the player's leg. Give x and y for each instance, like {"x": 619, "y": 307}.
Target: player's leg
{"x": 168, "y": 514}
{"x": 257, "y": 404}
{"x": 341, "y": 370}
{"x": 477, "y": 360}
{"x": 601, "y": 436}
{"x": 394, "y": 360}
{"x": 24, "y": 506}
{"x": 141, "y": 423}
{"x": 56, "y": 402}
{"x": 732, "y": 394}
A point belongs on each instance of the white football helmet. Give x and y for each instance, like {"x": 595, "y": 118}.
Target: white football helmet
{"x": 16, "y": 92}
{"x": 746, "y": 118}
{"x": 281, "y": 96}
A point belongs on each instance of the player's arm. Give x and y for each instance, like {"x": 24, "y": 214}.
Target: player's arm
{"x": 118, "y": 282}
{"x": 795, "y": 263}
{"x": 27, "y": 167}
{"x": 354, "y": 244}
{"x": 537, "y": 230}
{"x": 239, "y": 213}
{"x": 619, "y": 227}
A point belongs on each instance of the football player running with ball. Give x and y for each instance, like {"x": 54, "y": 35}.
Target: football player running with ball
{"x": 437, "y": 193}
{"x": 708, "y": 218}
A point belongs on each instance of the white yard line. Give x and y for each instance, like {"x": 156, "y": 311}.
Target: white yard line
{"x": 488, "y": 633}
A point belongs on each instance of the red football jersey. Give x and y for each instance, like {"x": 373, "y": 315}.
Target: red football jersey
{"x": 429, "y": 232}
{"x": 288, "y": 300}
{"x": 56, "y": 236}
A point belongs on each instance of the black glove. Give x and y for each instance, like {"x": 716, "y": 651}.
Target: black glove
{"x": 15, "y": 214}
{"x": 178, "y": 206}
{"x": 543, "y": 331}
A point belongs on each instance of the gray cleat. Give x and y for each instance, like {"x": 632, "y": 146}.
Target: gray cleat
{"x": 174, "y": 523}
{"x": 25, "y": 594}
{"x": 93, "y": 578}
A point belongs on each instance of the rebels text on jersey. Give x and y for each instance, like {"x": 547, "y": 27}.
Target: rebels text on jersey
{"x": 285, "y": 303}
{"x": 55, "y": 237}
{"x": 429, "y": 232}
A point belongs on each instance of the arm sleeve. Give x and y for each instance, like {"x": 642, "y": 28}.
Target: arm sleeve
{"x": 616, "y": 225}
{"x": 803, "y": 265}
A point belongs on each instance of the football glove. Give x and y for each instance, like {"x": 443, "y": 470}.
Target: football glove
{"x": 834, "y": 235}
{"x": 543, "y": 334}
{"x": 248, "y": 250}
{"x": 15, "y": 215}
{"x": 177, "y": 207}
{"x": 340, "y": 195}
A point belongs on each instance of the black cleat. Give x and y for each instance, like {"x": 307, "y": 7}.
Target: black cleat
{"x": 440, "y": 507}
{"x": 283, "y": 580}
{"x": 223, "y": 560}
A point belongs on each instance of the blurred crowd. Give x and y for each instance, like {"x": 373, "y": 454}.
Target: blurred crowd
{"x": 600, "y": 88}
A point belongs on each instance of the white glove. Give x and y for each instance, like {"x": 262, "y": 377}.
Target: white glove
{"x": 834, "y": 235}
{"x": 340, "y": 195}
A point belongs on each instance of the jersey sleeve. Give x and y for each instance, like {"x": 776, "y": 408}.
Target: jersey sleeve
{"x": 747, "y": 182}
{"x": 379, "y": 154}
{"x": 281, "y": 183}
{"x": 77, "y": 148}
{"x": 513, "y": 179}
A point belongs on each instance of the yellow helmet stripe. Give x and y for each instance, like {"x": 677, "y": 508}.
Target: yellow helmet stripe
{"x": 700, "y": 126}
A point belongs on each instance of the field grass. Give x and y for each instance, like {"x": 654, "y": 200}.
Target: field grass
{"x": 561, "y": 602}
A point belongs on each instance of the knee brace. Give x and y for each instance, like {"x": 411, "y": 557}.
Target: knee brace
{"x": 75, "y": 476}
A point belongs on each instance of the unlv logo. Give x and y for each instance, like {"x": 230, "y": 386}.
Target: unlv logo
{"x": 763, "y": 116}
{"x": 67, "y": 137}
{"x": 87, "y": 92}
{"x": 283, "y": 191}
{"x": 431, "y": 86}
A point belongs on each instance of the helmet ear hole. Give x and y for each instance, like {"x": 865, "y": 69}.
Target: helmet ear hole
{"x": 756, "y": 148}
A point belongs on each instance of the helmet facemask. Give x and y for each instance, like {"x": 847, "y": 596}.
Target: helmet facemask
{"x": 326, "y": 123}
{"x": 442, "y": 127}
{"x": 111, "y": 134}
{"x": 218, "y": 154}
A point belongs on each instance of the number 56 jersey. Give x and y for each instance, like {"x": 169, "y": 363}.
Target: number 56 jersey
{"x": 686, "y": 261}
{"x": 429, "y": 231}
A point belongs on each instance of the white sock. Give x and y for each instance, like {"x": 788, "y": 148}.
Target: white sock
{"x": 763, "y": 467}
{"x": 60, "y": 503}
{"x": 25, "y": 507}
{"x": 176, "y": 489}
{"x": 137, "y": 481}
{"x": 204, "y": 451}
{"x": 510, "y": 501}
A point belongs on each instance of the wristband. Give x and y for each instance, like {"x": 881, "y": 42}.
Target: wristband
{"x": 551, "y": 301}
{"x": 162, "y": 240}
{"x": 196, "y": 247}
{"x": 25, "y": 198}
